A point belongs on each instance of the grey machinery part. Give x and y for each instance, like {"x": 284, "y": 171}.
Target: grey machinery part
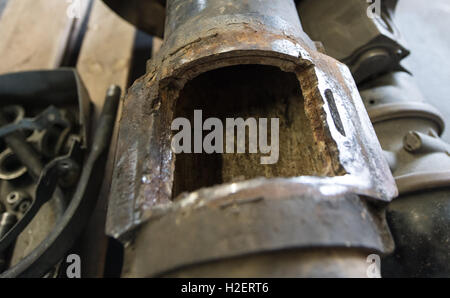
{"x": 408, "y": 129}
{"x": 369, "y": 46}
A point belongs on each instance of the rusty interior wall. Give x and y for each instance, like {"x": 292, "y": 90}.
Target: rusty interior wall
{"x": 267, "y": 92}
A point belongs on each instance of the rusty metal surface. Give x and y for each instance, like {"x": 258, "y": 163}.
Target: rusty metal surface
{"x": 211, "y": 40}
{"x": 398, "y": 110}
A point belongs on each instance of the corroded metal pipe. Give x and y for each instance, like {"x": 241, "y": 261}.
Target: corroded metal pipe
{"x": 317, "y": 212}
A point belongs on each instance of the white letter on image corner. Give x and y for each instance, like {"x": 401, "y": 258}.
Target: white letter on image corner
{"x": 374, "y": 9}
{"x": 74, "y": 269}
{"x": 374, "y": 269}
{"x": 74, "y": 9}
{"x": 184, "y": 135}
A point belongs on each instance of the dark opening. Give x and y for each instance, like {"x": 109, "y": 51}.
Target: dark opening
{"x": 247, "y": 91}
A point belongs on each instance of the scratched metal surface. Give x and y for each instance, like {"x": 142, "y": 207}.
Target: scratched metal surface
{"x": 424, "y": 26}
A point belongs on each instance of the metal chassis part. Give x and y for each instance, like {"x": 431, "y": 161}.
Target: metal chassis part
{"x": 218, "y": 35}
{"x": 64, "y": 84}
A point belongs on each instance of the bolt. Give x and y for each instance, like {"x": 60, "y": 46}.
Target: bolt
{"x": 13, "y": 197}
{"x": 19, "y": 201}
{"x": 24, "y": 206}
{"x": 412, "y": 141}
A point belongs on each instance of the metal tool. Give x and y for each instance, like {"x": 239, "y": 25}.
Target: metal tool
{"x": 70, "y": 225}
{"x": 28, "y": 144}
{"x": 49, "y": 117}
